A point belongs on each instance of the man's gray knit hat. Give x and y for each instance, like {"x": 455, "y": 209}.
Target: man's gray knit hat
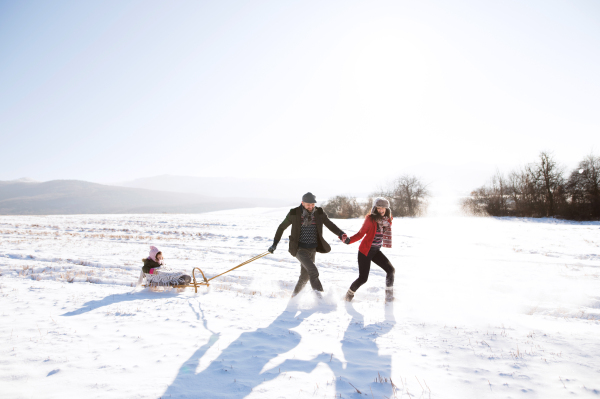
{"x": 380, "y": 201}
{"x": 309, "y": 198}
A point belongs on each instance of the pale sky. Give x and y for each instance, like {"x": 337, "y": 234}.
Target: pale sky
{"x": 108, "y": 91}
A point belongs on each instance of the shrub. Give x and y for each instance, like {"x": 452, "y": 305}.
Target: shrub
{"x": 539, "y": 189}
{"x": 343, "y": 207}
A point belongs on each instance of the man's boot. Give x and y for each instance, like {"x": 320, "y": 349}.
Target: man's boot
{"x": 389, "y": 294}
{"x": 349, "y": 295}
{"x": 319, "y": 294}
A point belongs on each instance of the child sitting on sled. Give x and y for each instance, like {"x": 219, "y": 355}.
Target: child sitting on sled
{"x": 156, "y": 274}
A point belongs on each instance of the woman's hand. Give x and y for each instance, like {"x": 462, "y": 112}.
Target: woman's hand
{"x": 345, "y": 239}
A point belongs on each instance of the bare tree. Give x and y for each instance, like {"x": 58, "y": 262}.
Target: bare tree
{"x": 535, "y": 190}
{"x": 407, "y": 195}
{"x": 498, "y": 195}
{"x": 526, "y": 192}
{"x": 549, "y": 177}
{"x": 539, "y": 189}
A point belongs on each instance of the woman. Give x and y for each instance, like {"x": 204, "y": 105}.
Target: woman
{"x": 377, "y": 230}
{"x": 157, "y": 274}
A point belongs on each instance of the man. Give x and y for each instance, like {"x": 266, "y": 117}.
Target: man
{"x": 307, "y": 239}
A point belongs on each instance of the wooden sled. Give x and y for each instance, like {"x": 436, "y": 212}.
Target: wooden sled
{"x": 196, "y": 284}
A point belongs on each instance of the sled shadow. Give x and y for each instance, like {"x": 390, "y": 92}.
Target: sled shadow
{"x": 238, "y": 368}
{"x": 365, "y": 370}
{"x": 118, "y": 298}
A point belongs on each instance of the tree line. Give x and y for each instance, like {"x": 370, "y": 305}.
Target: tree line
{"x": 407, "y": 194}
{"x": 541, "y": 189}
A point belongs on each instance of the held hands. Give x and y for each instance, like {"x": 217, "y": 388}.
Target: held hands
{"x": 345, "y": 239}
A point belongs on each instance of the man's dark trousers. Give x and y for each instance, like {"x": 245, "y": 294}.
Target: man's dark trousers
{"x": 308, "y": 270}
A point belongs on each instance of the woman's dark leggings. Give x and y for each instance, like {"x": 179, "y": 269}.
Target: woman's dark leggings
{"x": 364, "y": 266}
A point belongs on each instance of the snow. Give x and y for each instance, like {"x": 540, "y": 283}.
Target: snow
{"x": 485, "y": 307}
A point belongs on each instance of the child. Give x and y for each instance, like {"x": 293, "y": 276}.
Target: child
{"x": 157, "y": 274}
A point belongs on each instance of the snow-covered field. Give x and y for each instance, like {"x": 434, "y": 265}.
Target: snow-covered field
{"x": 484, "y": 307}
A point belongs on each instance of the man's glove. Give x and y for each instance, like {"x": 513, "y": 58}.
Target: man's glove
{"x": 347, "y": 240}
{"x": 272, "y": 248}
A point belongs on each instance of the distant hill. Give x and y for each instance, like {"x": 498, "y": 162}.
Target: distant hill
{"x": 458, "y": 179}
{"x": 19, "y": 197}
{"x": 22, "y": 180}
{"x": 290, "y": 189}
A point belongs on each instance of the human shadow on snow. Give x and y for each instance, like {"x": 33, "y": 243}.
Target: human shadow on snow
{"x": 364, "y": 369}
{"x": 238, "y": 368}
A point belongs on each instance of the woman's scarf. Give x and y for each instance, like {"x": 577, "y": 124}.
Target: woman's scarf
{"x": 385, "y": 226}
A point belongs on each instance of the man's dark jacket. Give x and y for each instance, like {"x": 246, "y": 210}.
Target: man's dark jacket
{"x": 294, "y": 217}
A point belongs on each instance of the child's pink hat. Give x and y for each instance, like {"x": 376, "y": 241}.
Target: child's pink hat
{"x": 153, "y": 252}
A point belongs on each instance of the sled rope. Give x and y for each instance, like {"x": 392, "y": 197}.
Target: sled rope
{"x": 196, "y": 284}
{"x": 240, "y": 265}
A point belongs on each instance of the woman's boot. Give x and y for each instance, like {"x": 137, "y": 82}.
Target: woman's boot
{"x": 389, "y": 294}
{"x": 349, "y": 295}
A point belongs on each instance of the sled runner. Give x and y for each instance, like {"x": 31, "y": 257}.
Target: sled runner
{"x": 194, "y": 283}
